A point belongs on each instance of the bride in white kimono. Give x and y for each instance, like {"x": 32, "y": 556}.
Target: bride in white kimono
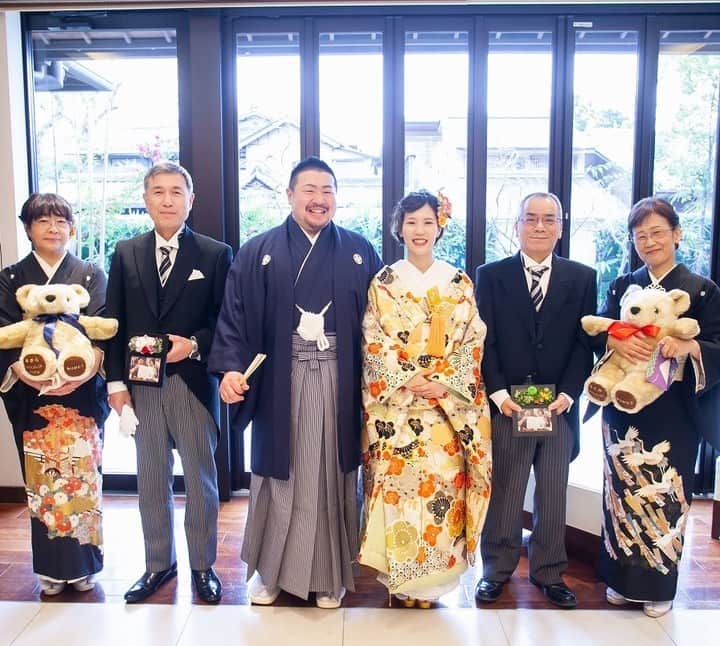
{"x": 426, "y": 431}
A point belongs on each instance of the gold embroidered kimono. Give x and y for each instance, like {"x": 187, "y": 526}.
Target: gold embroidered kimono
{"x": 426, "y": 462}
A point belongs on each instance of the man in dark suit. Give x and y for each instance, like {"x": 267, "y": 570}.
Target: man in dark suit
{"x": 532, "y": 303}
{"x": 170, "y": 282}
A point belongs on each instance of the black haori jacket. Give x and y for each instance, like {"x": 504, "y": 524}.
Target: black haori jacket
{"x": 258, "y": 314}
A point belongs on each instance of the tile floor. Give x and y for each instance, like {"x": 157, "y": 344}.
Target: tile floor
{"x": 521, "y": 616}
{"x": 184, "y": 624}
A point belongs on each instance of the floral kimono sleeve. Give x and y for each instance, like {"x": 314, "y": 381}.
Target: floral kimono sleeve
{"x": 386, "y": 364}
{"x": 459, "y": 371}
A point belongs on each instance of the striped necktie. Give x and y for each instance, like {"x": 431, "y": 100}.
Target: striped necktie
{"x": 536, "y": 292}
{"x": 165, "y": 264}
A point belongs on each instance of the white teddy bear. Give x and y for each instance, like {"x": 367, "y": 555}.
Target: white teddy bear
{"x": 54, "y": 336}
{"x": 656, "y": 313}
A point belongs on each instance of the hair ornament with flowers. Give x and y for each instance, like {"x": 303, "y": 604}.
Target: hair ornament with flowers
{"x": 444, "y": 212}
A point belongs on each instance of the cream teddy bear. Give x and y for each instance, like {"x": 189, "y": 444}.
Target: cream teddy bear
{"x": 54, "y": 336}
{"x": 654, "y": 312}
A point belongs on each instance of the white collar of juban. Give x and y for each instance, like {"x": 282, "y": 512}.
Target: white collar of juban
{"x": 47, "y": 267}
{"x": 655, "y": 281}
{"x": 439, "y": 274}
{"x": 311, "y": 237}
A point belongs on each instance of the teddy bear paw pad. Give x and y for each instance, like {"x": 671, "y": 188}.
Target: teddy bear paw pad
{"x": 34, "y": 364}
{"x": 596, "y": 391}
{"x": 74, "y": 366}
{"x": 625, "y": 399}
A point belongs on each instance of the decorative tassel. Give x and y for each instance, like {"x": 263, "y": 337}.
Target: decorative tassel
{"x": 436, "y": 340}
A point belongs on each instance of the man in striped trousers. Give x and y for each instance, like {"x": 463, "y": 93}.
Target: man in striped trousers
{"x": 170, "y": 282}
{"x": 532, "y": 303}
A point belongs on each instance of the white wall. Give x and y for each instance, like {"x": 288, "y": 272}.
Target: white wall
{"x": 13, "y": 191}
{"x": 584, "y": 506}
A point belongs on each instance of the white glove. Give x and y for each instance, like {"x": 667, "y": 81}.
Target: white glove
{"x": 128, "y": 421}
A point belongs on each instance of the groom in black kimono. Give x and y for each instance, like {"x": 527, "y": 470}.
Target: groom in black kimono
{"x": 297, "y": 293}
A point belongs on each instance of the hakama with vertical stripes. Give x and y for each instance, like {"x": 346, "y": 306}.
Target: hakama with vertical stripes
{"x": 302, "y": 532}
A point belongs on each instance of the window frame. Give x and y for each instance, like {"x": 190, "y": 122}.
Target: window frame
{"x": 212, "y": 156}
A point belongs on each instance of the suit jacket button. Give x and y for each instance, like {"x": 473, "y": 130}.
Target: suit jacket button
{"x": 539, "y": 346}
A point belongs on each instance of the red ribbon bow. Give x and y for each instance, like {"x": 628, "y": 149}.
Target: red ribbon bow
{"x": 621, "y": 330}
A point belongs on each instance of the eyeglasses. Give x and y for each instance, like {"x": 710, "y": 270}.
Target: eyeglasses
{"x": 641, "y": 239}
{"x": 532, "y": 221}
{"x": 47, "y": 222}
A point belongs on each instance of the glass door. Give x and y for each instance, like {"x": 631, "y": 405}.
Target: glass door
{"x": 519, "y": 101}
{"x": 105, "y": 108}
{"x": 605, "y": 63}
{"x": 686, "y": 126}
{"x": 351, "y": 122}
{"x": 436, "y": 69}
{"x": 605, "y": 87}
{"x": 268, "y": 124}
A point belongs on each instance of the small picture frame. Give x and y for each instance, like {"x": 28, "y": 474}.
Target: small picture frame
{"x": 535, "y": 419}
{"x": 146, "y": 360}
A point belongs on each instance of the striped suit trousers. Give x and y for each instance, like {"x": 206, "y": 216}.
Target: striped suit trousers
{"x": 501, "y": 539}
{"x": 172, "y": 417}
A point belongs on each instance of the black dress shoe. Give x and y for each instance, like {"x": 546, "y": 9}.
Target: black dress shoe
{"x": 557, "y": 593}
{"x": 488, "y": 591}
{"x": 208, "y": 585}
{"x": 149, "y": 583}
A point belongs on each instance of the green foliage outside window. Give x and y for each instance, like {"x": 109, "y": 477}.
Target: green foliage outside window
{"x": 685, "y": 153}
{"x": 74, "y": 160}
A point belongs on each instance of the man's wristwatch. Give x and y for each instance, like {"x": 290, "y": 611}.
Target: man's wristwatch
{"x": 195, "y": 352}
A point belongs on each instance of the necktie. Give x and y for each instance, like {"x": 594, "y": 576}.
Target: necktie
{"x": 165, "y": 264}
{"x": 536, "y": 292}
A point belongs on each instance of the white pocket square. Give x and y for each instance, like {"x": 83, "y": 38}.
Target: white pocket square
{"x": 196, "y": 275}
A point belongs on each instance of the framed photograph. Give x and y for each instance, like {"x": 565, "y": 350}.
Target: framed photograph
{"x": 146, "y": 360}
{"x": 535, "y": 418}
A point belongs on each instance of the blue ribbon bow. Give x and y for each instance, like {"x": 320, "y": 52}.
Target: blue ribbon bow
{"x": 49, "y": 322}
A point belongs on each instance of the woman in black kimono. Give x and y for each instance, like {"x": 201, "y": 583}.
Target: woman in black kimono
{"x": 649, "y": 456}
{"x": 57, "y": 428}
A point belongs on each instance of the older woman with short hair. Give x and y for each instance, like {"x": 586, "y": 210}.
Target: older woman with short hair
{"x": 57, "y": 426}
{"x": 650, "y": 455}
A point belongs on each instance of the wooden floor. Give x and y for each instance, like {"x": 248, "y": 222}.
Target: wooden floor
{"x": 699, "y": 580}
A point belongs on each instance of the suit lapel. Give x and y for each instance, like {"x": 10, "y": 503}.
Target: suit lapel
{"x": 557, "y": 293}
{"x": 146, "y": 264}
{"x": 518, "y": 295}
{"x": 181, "y": 270}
